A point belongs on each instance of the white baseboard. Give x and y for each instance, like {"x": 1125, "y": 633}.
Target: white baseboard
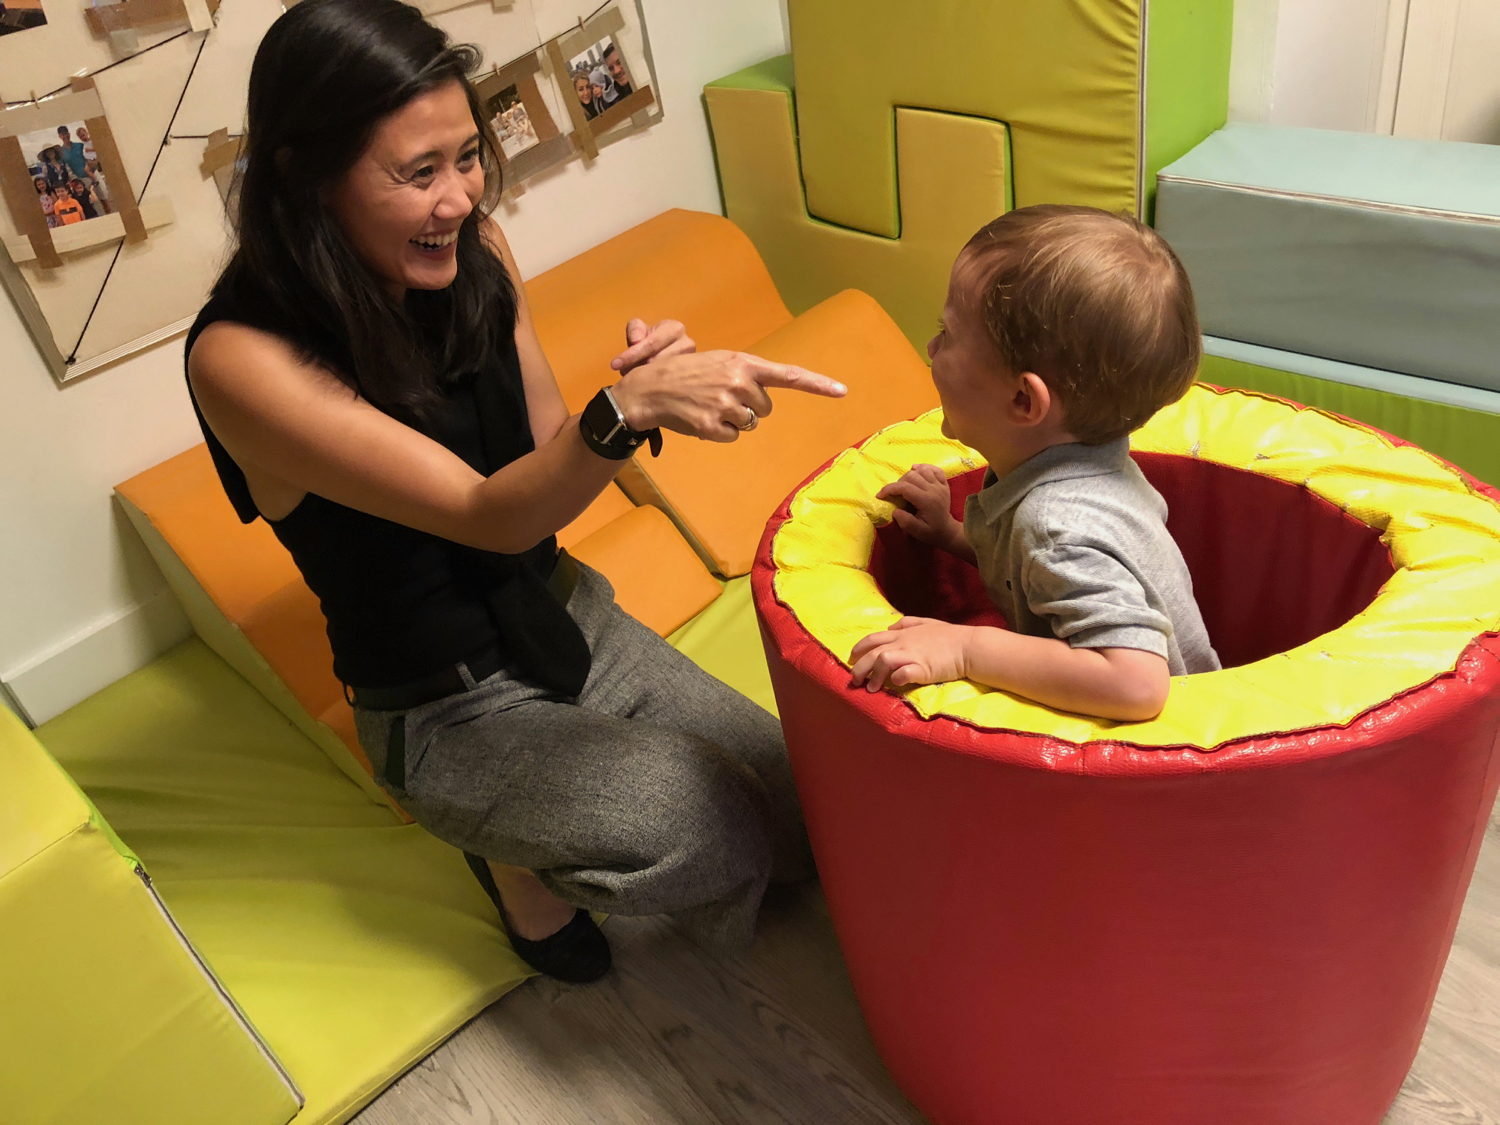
{"x": 70, "y": 672}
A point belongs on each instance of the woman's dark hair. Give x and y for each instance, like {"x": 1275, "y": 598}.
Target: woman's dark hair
{"x": 325, "y": 75}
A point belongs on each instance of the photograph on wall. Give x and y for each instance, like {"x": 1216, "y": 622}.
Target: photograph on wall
{"x": 71, "y": 185}
{"x": 512, "y": 122}
{"x": 601, "y": 79}
{"x": 530, "y": 141}
{"x": 21, "y": 15}
{"x": 603, "y": 71}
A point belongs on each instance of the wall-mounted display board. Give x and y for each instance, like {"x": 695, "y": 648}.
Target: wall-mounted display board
{"x": 123, "y": 121}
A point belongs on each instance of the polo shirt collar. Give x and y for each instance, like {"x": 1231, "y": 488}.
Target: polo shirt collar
{"x": 1070, "y": 461}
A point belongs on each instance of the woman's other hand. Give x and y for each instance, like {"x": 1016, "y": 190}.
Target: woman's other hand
{"x": 711, "y": 395}
{"x": 647, "y": 342}
{"x": 928, "y": 514}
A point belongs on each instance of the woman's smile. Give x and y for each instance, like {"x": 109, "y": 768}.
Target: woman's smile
{"x": 436, "y": 245}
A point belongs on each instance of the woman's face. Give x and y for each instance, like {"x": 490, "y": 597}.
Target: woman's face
{"x": 585, "y": 90}
{"x": 402, "y": 203}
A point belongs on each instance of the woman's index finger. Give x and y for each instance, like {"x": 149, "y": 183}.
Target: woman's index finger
{"x": 792, "y": 377}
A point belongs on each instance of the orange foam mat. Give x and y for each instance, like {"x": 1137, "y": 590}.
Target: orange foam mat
{"x": 722, "y": 494}
{"x": 682, "y": 265}
{"x": 657, "y": 577}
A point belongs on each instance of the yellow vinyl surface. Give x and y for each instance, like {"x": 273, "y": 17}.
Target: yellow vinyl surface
{"x": 1443, "y": 536}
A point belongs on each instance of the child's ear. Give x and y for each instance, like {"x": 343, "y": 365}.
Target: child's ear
{"x": 1032, "y": 401}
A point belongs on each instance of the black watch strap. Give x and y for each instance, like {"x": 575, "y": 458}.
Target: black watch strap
{"x": 604, "y": 430}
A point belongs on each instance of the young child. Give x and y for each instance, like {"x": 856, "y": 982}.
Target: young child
{"x": 1065, "y": 328}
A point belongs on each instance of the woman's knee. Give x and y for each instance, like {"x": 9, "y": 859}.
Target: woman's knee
{"x": 712, "y": 821}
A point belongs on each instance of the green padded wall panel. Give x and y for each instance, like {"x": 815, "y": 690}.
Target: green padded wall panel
{"x": 896, "y": 130}
{"x": 954, "y": 179}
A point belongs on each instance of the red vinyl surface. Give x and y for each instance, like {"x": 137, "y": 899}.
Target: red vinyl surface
{"x": 1045, "y": 933}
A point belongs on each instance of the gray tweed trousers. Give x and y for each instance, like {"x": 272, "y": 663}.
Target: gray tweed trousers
{"x": 658, "y": 790}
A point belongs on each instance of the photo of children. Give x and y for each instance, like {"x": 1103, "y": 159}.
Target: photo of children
{"x": 21, "y": 15}
{"x": 600, "y": 77}
{"x": 511, "y": 122}
{"x": 70, "y": 184}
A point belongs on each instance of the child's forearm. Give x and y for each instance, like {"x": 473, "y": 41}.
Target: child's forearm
{"x": 1111, "y": 683}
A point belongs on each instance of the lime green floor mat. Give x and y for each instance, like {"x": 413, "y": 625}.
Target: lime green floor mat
{"x": 724, "y": 640}
{"x": 353, "y": 943}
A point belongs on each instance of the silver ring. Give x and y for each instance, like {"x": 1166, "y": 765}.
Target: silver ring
{"x": 750, "y": 425}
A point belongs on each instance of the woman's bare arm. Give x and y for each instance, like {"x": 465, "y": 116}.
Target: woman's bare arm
{"x": 297, "y": 425}
{"x": 544, "y": 402}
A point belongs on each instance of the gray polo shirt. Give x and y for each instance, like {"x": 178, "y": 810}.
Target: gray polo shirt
{"x": 1073, "y": 544}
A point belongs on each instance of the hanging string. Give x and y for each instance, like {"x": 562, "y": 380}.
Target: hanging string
{"x": 140, "y": 195}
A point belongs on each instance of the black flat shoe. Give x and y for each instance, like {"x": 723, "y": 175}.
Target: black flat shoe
{"x": 578, "y": 953}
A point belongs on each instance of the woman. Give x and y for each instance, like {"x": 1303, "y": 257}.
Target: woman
{"x": 585, "y": 91}
{"x": 370, "y": 383}
{"x": 53, "y": 168}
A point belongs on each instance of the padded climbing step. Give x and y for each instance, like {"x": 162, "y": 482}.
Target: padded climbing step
{"x": 1369, "y": 250}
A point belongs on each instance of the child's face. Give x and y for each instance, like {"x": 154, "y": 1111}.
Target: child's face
{"x": 1007, "y": 416}
{"x": 969, "y": 377}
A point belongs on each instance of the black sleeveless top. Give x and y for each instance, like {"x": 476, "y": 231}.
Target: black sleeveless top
{"x": 402, "y": 604}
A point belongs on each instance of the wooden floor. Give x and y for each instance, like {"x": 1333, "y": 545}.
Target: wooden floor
{"x": 675, "y": 1036}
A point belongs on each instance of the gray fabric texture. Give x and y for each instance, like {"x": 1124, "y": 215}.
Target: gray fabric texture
{"x": 1073, "y": 544}
{"x": 659, "y": 790}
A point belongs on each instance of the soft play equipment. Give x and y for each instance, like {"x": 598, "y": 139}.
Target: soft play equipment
{"x": 1237, "y": 912}
{"x": 241, "y": 915}
{"x": 1349, "y": 270}
{"x": 894, "y": 131}
{"x": 702, "y": 270}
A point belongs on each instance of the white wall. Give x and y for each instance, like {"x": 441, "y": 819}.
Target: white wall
{"x": 1313, "y": 63}
{"x": 81, "y": 603}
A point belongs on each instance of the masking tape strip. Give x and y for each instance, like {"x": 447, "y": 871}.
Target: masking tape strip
{"x": 607, "y": 22}
{"x": 198, "y": 14}
{"x": 583, "y": 136}
{"x": 20, "y": 195}
{"x": 49, "y": 113}
{"x": 114, "y": 168}
{"x": 135, "y": 13}
{"x": 626, "y": 107}
{"x": 220, "y": 152}
{"x": 154, "y": 213}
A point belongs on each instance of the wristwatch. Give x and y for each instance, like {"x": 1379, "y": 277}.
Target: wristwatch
{"x": 603, "y": 426}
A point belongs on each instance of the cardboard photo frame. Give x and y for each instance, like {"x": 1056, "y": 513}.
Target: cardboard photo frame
{"x": 19, "y": 190}
{"x": 130, "y": 15}
{"x": 552, "y": 147}
{"x": 565, "y": 49}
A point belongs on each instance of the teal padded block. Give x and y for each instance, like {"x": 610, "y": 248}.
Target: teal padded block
{"x": 1370, "y": 250}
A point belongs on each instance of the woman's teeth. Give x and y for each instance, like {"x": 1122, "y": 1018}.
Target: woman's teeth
{"x": 435, "y": 242}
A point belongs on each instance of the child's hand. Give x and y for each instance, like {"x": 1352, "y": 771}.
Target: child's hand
{"x": 929, "y": 515}
{"x": 915, "y": 650}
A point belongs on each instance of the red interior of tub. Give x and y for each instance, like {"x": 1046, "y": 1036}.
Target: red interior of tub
{"x": 1273, "y": 565}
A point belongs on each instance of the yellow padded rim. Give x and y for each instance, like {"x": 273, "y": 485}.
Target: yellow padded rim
{"x": 1444, "y": 538}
